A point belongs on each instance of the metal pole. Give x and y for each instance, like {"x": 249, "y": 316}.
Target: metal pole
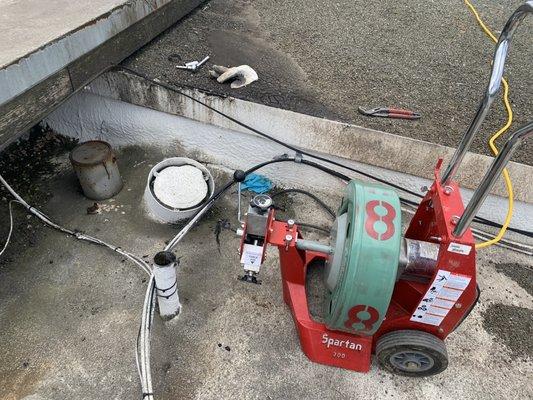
{"x": 498, "y": 66}
{"x": 490, "y": 178}
{"x": 311, "y": 245}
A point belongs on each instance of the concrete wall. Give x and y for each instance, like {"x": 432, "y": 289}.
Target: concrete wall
{"x": 51, "y": 43}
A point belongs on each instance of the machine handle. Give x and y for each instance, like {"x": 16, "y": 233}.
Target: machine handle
{"x": 498, "y": 66}
{"x": 490, "y": 177}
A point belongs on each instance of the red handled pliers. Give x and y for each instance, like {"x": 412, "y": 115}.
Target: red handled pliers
{"x": 386, "y": 112}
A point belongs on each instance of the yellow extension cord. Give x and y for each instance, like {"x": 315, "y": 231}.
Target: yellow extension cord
{"x": 493, "y": 147}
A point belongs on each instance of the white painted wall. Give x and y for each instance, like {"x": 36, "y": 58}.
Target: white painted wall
{"x": 88, "y": 116}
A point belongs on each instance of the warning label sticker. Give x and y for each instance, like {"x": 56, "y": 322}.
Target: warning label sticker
{"x": 459, "y": 248}
{"x": 441, "y": 296}
{"x": 251, "y": 257}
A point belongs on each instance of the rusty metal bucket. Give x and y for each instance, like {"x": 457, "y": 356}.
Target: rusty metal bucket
{"x": 96, "y": 166}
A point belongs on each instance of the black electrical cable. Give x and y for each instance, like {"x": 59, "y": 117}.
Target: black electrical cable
{"x": 480, "y": 220}
{"x": 258, "y": 132}
{"x": 340, "y": 175}
{"x": 238, "y": 176}
{"x": 309, "y": 194}
{"x": 186, "y": 228}
{"x": 228, "y": 185}
{"x": 488, "y": 222}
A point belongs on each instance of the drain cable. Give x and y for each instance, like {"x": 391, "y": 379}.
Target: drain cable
{"x": 10, "y": 208}
{"x": 150, "y": 294}
{"x": 143, "y": 339}
{"x": 142, "y": 355}
{"x": 80, "y": 236}
{"x": 143, "y": 345}
{"x": 319, "y": 201}
{"x": 77, "y": 234}
{"x": 171, "y": 88}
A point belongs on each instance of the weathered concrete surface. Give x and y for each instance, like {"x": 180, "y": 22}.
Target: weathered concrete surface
{"x": 69, "y": 311}
{"x": 40, "y": 38}
{"x": 326, "y": 60}
{"x": 51, "y": 48}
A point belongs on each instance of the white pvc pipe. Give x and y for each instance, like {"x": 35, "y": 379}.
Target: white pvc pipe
{"x": 167, "y": 285}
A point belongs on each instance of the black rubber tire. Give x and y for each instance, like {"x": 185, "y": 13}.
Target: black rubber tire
{"x": 397, "y": 343}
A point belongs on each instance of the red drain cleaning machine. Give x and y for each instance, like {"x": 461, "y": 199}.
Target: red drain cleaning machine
{"x": 394, "y": 296}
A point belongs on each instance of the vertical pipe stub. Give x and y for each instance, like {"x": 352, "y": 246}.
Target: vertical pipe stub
{"x": 164, "y": 258}
{"x": 166, "y": 283}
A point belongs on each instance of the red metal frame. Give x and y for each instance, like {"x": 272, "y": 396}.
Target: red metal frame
{"x": 433, "y": 222}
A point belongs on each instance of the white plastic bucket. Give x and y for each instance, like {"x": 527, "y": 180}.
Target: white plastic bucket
{"x": 164, "y": 212}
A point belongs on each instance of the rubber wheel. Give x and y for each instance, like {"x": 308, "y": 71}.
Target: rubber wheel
{"x": 412, "y": 353}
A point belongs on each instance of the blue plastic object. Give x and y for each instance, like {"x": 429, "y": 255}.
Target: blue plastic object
{"x": 256, "y": 183}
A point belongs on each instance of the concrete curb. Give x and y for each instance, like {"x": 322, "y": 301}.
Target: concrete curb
{"x": 353, "y": 142}
{"x": 33, "y": 84}
{"x": 24, "y": 71}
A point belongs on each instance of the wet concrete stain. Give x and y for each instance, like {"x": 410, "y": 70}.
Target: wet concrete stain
{"x": 231, "y": 34}
{"x": 512, "y": 326}
{"x": 28, "y": 165}
{"x": 519, "y": 273}
{"x": 28, "y": 159}
{"x": 20, "y": 382}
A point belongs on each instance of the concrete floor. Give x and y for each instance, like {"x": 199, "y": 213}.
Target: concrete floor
{"x": 69, "y": 311}
{"x": 327, "y": 60}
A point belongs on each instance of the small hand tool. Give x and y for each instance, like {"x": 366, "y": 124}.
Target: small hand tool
{"x": 387, "y": 112}
{"x": 193, "y": 65}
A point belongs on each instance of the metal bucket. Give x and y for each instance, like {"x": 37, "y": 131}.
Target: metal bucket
{"x": 95, "y": 164}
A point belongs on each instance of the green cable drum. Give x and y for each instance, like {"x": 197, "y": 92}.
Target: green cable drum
{"x": 362, "y": 277}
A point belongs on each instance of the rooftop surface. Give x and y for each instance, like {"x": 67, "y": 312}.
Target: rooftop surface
{"x": 430, "y": 57}
{"x": 69, "y": 311}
